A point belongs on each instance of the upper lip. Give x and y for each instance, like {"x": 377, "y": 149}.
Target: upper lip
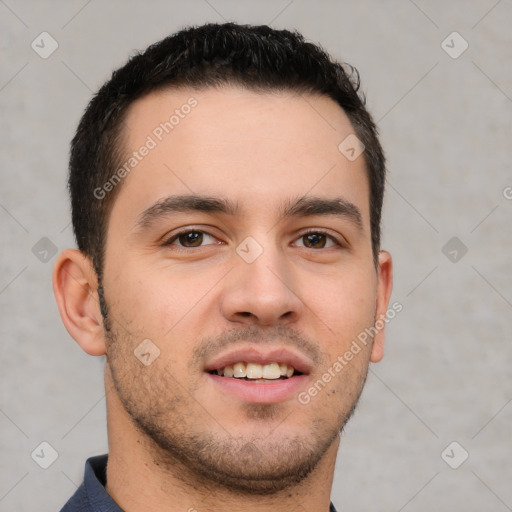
{"x": 252, "y": 354}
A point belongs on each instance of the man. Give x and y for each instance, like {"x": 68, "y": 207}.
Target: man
{"x": 226, "y": 189}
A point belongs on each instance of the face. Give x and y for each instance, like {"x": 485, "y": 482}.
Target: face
{"x": 239, "y": 244}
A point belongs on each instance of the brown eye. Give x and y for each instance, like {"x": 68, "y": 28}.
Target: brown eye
{"x": 317, "y": 240}
{"x": 314, "y": 240}
{"x": 190, "y": 239}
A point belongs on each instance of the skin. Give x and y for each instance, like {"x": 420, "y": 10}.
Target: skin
{"x": 176, "y": 442}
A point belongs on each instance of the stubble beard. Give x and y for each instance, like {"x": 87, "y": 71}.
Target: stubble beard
{"x": 176, "y": 431}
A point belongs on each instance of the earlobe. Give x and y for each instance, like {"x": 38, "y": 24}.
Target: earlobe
{"x": 75, "y": 288}
{"x": 384, "y": 287}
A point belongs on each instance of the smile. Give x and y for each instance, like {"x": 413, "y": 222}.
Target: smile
{"x": 249, "y": 374}
{"x": 257, "y": 372}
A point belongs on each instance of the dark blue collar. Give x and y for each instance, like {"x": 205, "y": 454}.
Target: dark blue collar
{"x": 91, "y": 496}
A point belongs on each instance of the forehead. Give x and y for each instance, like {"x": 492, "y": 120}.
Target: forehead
{"x": 262, "y": 147}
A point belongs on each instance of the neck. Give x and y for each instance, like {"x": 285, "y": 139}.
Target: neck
{"x": 138, "y": 480}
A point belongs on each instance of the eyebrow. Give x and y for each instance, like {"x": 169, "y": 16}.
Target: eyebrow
{"x": 305, "y": 206}
{"x": 184, "y": 204}
{"x": 308, "y": 206}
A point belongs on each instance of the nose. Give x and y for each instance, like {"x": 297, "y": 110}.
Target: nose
{"x": 262, "y": 292}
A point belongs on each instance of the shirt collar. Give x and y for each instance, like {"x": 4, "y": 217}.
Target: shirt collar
{"x": 95, "y": 477}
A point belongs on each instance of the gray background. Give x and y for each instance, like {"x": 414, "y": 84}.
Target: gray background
{"x": 446, "y": 127}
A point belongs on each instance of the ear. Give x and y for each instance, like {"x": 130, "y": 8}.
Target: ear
{"x": 75, "y": 286}
{"x": 384, "y": 287}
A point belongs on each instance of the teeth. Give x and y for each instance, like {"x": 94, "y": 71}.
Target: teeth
{"x": 255, "y": 371}
{"x": 271, "y": 371}
{"x": 239, "y": 370}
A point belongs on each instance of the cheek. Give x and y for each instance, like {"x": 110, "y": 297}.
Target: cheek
{"x": 152, "y": 303}
{"x": 344, "y": 303}
{"x": 172, "y": 309}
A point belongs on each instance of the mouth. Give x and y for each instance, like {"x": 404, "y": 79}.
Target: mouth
{"x": 251, "y": 375}
{"x": 255, "y": 372}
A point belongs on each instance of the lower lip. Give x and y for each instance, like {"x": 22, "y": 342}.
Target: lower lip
{"x": 260, "y": 392}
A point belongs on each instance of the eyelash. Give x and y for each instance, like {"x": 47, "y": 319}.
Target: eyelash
{"x": 174, "y": 237}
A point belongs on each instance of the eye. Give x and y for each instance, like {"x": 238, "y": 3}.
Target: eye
{"x": 191, "y": 238}
{"x": 317, "y": 240}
